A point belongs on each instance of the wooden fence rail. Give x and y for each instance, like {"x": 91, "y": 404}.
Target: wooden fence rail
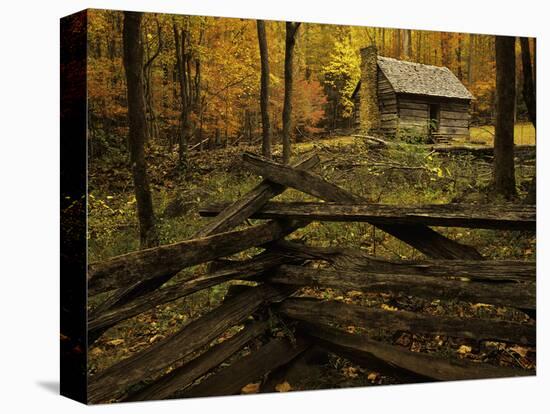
{"x": 511, "y": 217}
{"x": 174, "y": 365}
{"x": 153, "y": 360}
{"x": 361, "y": 348}
{"x": 330, "y": 312}
{"x": 519, "y": 295}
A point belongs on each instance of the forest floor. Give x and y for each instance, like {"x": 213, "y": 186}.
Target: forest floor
{"x": 382, "y": 176}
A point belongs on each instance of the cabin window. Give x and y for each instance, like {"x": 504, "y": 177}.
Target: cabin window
{"x": 433, "y": 121}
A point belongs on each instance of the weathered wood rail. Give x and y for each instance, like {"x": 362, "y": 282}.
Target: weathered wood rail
{"x": 511, "y": 217}
{"x": 185, "y": 364}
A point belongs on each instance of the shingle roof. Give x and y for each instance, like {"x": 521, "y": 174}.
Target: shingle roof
{"x": 420, "y": 79}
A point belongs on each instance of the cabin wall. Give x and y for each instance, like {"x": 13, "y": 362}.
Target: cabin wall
{"x": 414, "y": 113}
{"x": 387, "y": 101}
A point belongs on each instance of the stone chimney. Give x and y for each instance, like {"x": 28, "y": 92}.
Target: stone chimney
{"x": 369, "y": 115}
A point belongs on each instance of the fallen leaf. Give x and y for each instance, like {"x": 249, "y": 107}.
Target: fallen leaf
{"x": 464, "y": 349}
{"x": 252, "y": 388}
{"x": 156, "y": 338}
{"x": 373, "y": 376}
{"x": 350, "y": 372}
{"x": 521, "y": 351}
{"x": 388, "y": 307}
{"x": 283, "y": 387}
{"x": 115, "y": 342}
{"x": 96, "y": 351}
{"x": 481, "y": 305}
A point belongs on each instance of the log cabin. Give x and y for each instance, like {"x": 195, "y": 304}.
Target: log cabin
{"x": 398, "y": 98}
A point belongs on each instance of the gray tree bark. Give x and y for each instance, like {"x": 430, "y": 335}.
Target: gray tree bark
{"x": 290, "y": 41}
{"x": 530, "y": 98}
{"x": 264, "y": 93}
{"x": 133, "y": 61}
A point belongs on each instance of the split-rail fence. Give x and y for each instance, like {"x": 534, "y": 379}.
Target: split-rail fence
{"x": 453, "y": 271}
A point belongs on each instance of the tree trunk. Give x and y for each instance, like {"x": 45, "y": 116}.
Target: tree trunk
{"x": 407, "y": 49}
{"x": 504, "y": 175}
{"x": 445, "y": 49}
{"x": 133, "y": 58}
{"x": 529, "y": 91}
{"x": 458, "y": 53}
{"x": 180, "y": 40}
{"x": 152, "y": 126}
{"x": 471, "y": 40}
{"x": 264, "y": 94}
{"x": 530, "y": 98}
{"x": 290, "y": 41}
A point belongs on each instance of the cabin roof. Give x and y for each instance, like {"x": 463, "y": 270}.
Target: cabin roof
{"x": 419, "y": 79}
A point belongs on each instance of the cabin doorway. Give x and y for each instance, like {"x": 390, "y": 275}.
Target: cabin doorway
{"x": 433, "y": 120}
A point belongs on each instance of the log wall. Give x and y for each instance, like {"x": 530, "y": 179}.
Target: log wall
{"x": 454, "y": 116}
{"x": 387, "y": 100}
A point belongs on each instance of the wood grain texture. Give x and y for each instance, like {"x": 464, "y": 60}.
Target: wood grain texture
{"x": 115, "y": 380}
{"x": 518, "y": 295}
{"x": 358, "y": 260}
{"x": 426, "y": 365}
{"x": 247, "y": 269}
{"x": 237, "y": 212}
{"x": 131, "y": 298}
{"x": 182, "y": 377}
{"x": 330, "y": 312}
{"x": 421, "y": 237}
{"x": 248, "y": 369}
{"x": 126, "y": 270}
{"x": 504, "y": 217}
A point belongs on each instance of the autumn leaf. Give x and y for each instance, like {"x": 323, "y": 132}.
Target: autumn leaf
{"x": 388, "y": 307}
{"x": 481, "y": 305}
{"x": 156, "y": 338}
{"x": 96, "y": 351}
{"x": 283, "y": 387}
{"x": 115, "y": 342}
{"x": 464, "y": 349}
{"x": 521, "y": 351}
{"x": 252, "y": 388}
{"x": 373, "y": 377}
{"x": 350, "y": 372}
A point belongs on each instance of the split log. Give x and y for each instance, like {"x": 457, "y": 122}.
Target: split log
{"x": 113, "y": 381}
{"x": 518, "y": 295}
{"x": 248, "y": 369}
{"x": 308, "y": 365}
{"x": 330, "y": 312}
{"x": 234, "y": 215}
{"x": 126, "y": 270}
{"x": 183, "y": 377}
{"x": 358, "y": 260}
{"x": 426, "y": 365}
{"x": 241, "y": 270}
{"x": 237, "y": 212}
{"x": 419, "y": 236}
{"x": 503, "y": 217}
